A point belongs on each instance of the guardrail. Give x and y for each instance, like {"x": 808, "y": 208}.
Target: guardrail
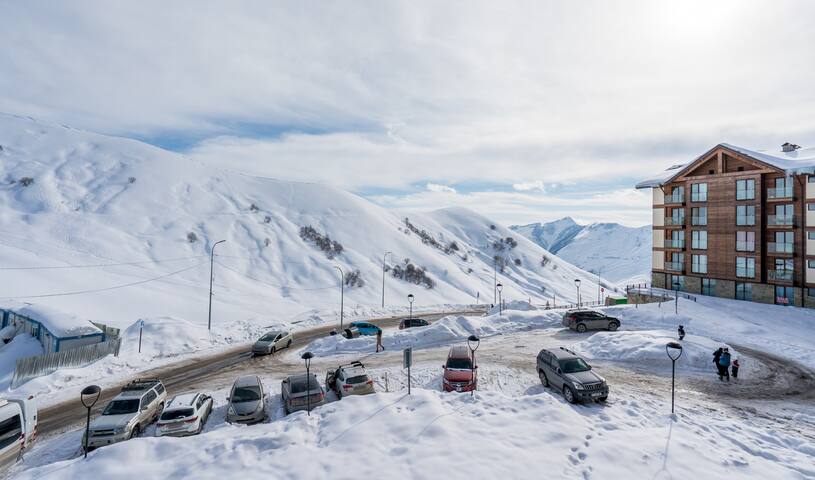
{"x": 32, "y": 367}
{"x": 656, "y": 291}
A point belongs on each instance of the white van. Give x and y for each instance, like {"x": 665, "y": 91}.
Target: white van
{"x": 29, "y": 409}
{"x": 11, "y": 433}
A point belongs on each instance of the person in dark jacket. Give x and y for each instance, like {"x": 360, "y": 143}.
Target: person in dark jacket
{"x": 734, "y": 369}
{"x": 716, "y": 356}
{"x": 724, "y": 361}
{"x": 681, "y": 332}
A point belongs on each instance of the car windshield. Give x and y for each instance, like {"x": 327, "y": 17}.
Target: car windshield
{"x": 574, "y": 365}
{"x": 459, "y": 363}
{"x": 245, "y": 394}
{"x": 299, "y": 385}
{"x": 121, "y": 407}
{"x": 268, "y": 337}
{"x": 177, "y": 413}
{"x": 358, "y": 379}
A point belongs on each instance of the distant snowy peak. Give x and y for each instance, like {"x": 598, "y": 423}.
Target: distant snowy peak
{"x": 553, "y": 235}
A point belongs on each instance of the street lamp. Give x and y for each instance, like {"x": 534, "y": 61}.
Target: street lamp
{"x": 674, "y": 351}
{"x": 676, "y": 297}
{"x": 211, "y": 266}
{"x": 307, "y": 358}
{"x": 473, "y": 343}
{"x": 384, "y": 257}
{"x": 494, "y": 279}
{"x": 342, "y": 293}
{"x": 410, "y": 299}
{"x": 577, "y": 284}
{"x": 89, "y": 396}
{"x": 500, "y": 299}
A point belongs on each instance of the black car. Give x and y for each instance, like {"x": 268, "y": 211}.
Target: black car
{"x": 412, "y": 322}
{"x": 582, "y": 320}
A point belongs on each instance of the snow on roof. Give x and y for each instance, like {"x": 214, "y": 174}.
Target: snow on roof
{"x": 794, "y": 162}
{"x": 59, "y": 323}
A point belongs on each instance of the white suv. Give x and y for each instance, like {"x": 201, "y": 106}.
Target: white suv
{"x": 129, "y": 413}
{"x": 350, "y": 379}
{"x": 184, "y": 415}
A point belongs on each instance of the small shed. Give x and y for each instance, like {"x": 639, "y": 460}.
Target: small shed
{"x": 56, "y": 330}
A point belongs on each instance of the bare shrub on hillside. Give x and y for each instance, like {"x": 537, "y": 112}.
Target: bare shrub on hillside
{"x": 413, "y": 274}
{"x": 332, "y": 248}
{"x": 26, "y": 181}
{"x": 192, "y": 237}
{"x": 354, "y": 279}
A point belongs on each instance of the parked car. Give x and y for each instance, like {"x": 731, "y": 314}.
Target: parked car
{"x": 129, "y": 413}
{"x": 247, "y": 401}
{"x": 582, "y": 320}
{"x": 272, "y": 342}
{"x": 184, "y": 414}
{"x": 28, "y": 406}
{"x": 296, "y": 391}
{"x": 349, "y": 379}
{"x": 564, "y": 370}
{"x": 460, "y": 375}
{"x": 350, "y": 332}
{"x": 412, "y": 322}
{"x": 11, "y": 434}
{"x": 366, "y": 328}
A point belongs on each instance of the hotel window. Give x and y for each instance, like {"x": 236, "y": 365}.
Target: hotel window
{"x": 811, "y": 235}
{"x": 698, "y": 192}
{"x": 745, "y": 189}
{"x": 677, "y": 239}
{"x": 698, "y": 263}
{"x": 810, "y": 263}
{"x": 783, "y": 295}
{"x": 745, "y": 215}
{"x": 699, "y": 239}
{"x": 745, "y": 241}
{"x": 676, "y": 279}
{"x": 783, "y": 242}
{"x": 744, "y": 291}
{"x": 698, "y": 216}
{"x": 708, "y": 286}
{"x": 811, "y": 206}
{"x": 745, "y": 267}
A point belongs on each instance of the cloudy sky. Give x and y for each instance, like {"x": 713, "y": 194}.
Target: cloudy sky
{"x": 524, "y": 111}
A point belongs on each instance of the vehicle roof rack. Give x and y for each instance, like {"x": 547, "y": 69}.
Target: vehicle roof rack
{"x": 141, "y": 384}
{"x": 567, "y": 350}
{"x": 355, "y": 363}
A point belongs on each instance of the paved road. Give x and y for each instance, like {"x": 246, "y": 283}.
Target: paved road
{"x": 201, "y": 372}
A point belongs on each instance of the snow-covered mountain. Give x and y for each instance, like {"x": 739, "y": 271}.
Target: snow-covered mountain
{"x": 620, "y": 254}
{"x": 77, "y": 200}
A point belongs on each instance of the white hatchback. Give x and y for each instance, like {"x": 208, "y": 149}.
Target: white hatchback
{"x": 186, "y": 414}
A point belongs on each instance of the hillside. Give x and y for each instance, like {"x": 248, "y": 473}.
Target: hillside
{"x": 114, "y": 230}
{"x": 621, "y": 254}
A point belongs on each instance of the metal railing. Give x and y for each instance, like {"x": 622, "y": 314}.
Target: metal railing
{"x": 779, "y": 192}
{"x": 698, "y": 220}
{"x": 657, "y": 292}
{"x": 674, "y": 243}
{"x": 32, "y": 367}
{"x": 780, "y": 275}
{"x": 674, "y": 266}
{"x": 674, "y": 198}
{"x": 674, "y": 220}
{"x": 743, "y": 272}
{"x": 745, "y": 219}
{"x": 776, "y": 247}
{"x": 779, "y": 220}
{"x": 745, "y": 246}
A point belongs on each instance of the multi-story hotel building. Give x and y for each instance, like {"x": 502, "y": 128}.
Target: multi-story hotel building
{"x": 737, "y": 223}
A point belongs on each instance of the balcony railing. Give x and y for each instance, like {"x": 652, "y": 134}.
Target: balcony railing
{"x": 745, "y": 246}
{"x": 698, "y": 220}
{"x": 779, "y": 192}
{"x": 674, "y": 266}
{"x": 675, "y": 221}
{"x": 743, "y": 272}
{"x": 671, "y": 243}
{"x": 745, "y": 219}
{"x": 779, "y": 220}
{"x": 780, "y": 275}
{"x": 675, "y": 198}
{"x": 776, "y": 247}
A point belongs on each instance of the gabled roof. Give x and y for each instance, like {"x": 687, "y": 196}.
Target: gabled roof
{"x": 794, "y": 162}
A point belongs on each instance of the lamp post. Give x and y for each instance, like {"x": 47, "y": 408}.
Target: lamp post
{"x": 307, "y": 358}
{"x": 211, "y": 266}
{"x": 500, "y": 299}
{"x": 89, "y": 396}
{"x": 342, "y": 293}
{"x": 410, "y": 299}
{"x": 494, "y": 279}
{"x": 473, "y": 343}
{"x": 577, "y": 284}
{"x": 599, "y": 288}
{"x": 674, "y": 351}
{"x": 676, "y": 297}
{"x": 384, "y": 257}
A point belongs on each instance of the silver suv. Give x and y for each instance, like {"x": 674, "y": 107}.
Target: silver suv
{"x": 566, "y": 371}
{"x": 129, "y": 413}
{"x": 582, "y": 320}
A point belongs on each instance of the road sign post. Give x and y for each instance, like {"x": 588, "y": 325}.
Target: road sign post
{"x": 407, "y": 361}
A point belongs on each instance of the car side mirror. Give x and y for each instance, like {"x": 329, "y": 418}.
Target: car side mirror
{"x": 228, "y": 399}
{"x": 444, "y": 367}
{"x": 475, "y": 367}
{"x": 559, "y": 371}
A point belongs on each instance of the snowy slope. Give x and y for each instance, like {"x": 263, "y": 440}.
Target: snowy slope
{"x": 621, "y": 254}
{"x": 104, "y": 213}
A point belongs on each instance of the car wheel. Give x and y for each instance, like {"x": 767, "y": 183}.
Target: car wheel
{"x": 612, "y": 326}
{"x": 581, "y": 327}
{"x": 602, "y": 399}
{"x": 135, "y": 432}
{"x": 542, "y": 376}
{"x": 288, "y": 344}
{"x": 272, "y": 350}
{"x": 568, "y": 394}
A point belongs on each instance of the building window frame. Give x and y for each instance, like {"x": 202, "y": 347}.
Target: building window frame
{"x": 698, "y": 192}
{"x": 746, "y": 189}
{"x": 709, "y": 287}
{"x": 746, "y": 215}
{"x": 698, "y": 215}
{"x": 744, "y": 291}
{"x": 746, "y": 267}
{"x": 698, "y": 263}
{"x": 699, "y": 239}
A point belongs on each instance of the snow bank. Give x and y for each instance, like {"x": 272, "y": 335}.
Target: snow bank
{"x": 21, "y": 346}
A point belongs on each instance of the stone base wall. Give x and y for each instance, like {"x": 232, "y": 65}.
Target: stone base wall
{"x": 809, "y": 302}
{"x": 693, "y": 285}
{"x": 763, "y": 293}
{"x": 725, "y": 289}
{"x": 658, "y": 279}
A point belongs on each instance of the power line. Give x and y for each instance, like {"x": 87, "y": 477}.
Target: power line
{"x": 271, "y": 284}
{"x": 101, "y": 265}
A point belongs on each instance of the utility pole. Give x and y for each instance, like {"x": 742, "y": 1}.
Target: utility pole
{"x": 342, "y": 293}
{"x": 383, "y": 277}
{"x": 494, "y": 280}
{"x": 211, "y": 276}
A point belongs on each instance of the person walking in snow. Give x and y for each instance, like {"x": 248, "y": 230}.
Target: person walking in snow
{"x": 724, "y": 362}
{"x": 716, "y": 356}
{"x": 735, "y": 369}
{"x": 379, "y": 346}
{"x": 681, "y": 332}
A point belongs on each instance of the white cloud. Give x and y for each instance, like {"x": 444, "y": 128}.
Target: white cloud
{"x": 434, "y": 187}
{"x": 527, "y": 186}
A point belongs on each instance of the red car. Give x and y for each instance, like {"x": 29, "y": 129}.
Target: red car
{"x": 460, "y": 374}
